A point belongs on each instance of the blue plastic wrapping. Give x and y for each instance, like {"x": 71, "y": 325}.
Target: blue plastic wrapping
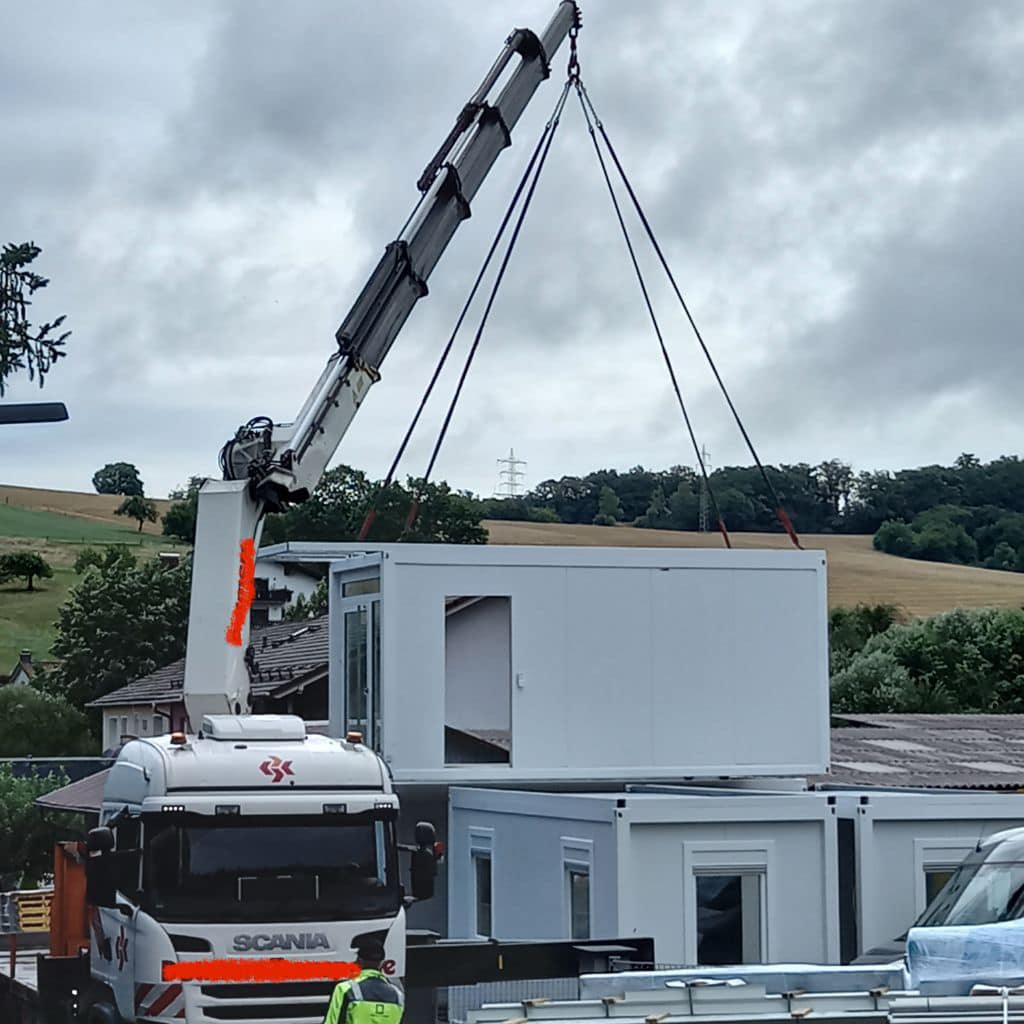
{"x": 991, "y": 954}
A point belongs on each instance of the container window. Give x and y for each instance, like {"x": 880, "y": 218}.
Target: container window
{"x": 578, "y": 881}
{"x": 356, "y": 587}
{"x": 729, "y": 918}
{"x": 935, "y": 880}
{"x": 483, "y": 894}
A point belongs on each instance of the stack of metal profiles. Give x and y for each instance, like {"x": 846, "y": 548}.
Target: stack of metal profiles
{"x": 760, "y": 994}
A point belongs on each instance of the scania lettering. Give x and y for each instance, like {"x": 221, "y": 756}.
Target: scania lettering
{"x": 261, "y": 943}
{"x": 243, "y": 835}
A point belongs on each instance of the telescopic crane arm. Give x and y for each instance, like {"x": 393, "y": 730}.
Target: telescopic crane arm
{"x": 267, "y": 466}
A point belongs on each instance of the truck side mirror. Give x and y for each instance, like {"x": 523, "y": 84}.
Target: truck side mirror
{"x": 424, "y": 868}
{"x": 100, "y": 840}
{"x": 100, "y": 887}
{"x": 424, "y": 861}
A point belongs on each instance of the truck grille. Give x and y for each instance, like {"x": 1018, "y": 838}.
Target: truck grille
{"x": 291, "y": 1001}
{"x": 270, "y": 990}
{"x": 252, "y": 1011}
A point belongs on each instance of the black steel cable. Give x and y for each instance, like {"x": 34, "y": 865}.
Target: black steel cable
{"x": 549, "y": 138}
{"x": 653, "y": 316}
{"x": 389, "y": 479}
{"x": 780, "y": 511}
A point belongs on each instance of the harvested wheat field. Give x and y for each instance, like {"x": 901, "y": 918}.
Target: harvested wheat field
{"x": 99, "y": 507}
{"x": 856, "y": 572}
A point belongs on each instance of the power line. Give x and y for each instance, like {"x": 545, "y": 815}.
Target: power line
{"x": 510, "y": 477}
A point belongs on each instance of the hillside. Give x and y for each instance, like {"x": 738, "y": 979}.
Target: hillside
{"x": 856, "y": 572}
{"x": 57, "y": 525}
{"x": 75, "y": 506}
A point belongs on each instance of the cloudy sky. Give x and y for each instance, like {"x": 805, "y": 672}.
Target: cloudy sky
{"x": 837, "y": 186}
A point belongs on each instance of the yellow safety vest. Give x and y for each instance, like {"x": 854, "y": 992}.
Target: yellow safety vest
{"x": 370, "y": 999}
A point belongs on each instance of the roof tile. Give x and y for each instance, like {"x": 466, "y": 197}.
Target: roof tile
{"x": 282, "y": 652}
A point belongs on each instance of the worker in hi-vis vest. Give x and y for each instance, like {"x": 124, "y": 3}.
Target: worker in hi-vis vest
{"x": 371, "y": 998}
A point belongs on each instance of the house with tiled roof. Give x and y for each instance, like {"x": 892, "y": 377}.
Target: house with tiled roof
{"x": 287, "y": 673}
{"x": 24, "y": 671}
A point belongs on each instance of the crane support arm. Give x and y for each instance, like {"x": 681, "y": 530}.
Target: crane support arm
{"x": 267, "y": 466}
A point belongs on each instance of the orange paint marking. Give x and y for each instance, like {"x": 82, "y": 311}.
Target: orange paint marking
{"x": 246, "y": 591}
{"x": 251, "y": 969}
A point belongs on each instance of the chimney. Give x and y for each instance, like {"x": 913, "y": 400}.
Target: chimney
{"x": 26, "y": 660}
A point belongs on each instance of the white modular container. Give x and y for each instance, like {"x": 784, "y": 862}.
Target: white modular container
{"x": 533, "y": 664}
{"x": 907, "y": 844}
{"x": 750, "y": 873}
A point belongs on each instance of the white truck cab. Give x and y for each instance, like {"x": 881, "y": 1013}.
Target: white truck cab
{"x": 206, "y": 839}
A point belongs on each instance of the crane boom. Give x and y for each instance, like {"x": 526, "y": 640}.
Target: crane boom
{"x": 267, "y": 466}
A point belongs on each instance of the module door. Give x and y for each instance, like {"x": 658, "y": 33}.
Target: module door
{"x": 360, "y": 617}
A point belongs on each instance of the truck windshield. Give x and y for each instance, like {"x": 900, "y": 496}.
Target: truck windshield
{"x": 981, "y": 891}
{"x": 248, "y": 868}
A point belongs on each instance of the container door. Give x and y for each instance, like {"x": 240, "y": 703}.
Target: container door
{"x": 360, "y": 615}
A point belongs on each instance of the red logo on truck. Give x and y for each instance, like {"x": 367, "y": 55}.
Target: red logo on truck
{"x": 276, "y": 769}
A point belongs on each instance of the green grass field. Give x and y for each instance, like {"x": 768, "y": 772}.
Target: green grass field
{"x": 27, "y": 617}
{"x": 69, "y": 529}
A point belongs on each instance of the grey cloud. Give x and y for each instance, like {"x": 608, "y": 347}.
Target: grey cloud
{"x": 834, "y": 185}
{"x": 932, "y": 314}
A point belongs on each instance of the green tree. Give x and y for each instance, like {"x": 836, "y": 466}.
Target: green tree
{"x": 608, "y": 508}
{"x": 336, "y": 510}
{"x": 120, "y": 622}
{"x": 659, "y": 513}
{"x": 996, "y": 527}
{"x": 180, "y": 519}
{"x": 101, "y": 559}
{"x": 834, "y": 481}
{"x": 874, "y": 683}
{"x": 738, "y": 510}
{"x": 138, "y": 508}
{"x": 24, "y": 565}
{"x": 30, "y": 833}
{"x": 939, "y": 541}
{"x": 22, "y": 345}
{"x": 895, "y": 538}
{"x": 685, "y": 507}
{"x": 965, "y": 661}
{"x": 311, "y": 607}
{"x": 118, "y": 478}
{"x": 1003, "y": 557}
{"x": 849, "y": 629}
{"x": 828, "y": 497}
{"x": 38, "y": 724}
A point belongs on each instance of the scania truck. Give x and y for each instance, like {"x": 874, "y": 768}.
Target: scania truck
{"x": 249, "y": 839}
